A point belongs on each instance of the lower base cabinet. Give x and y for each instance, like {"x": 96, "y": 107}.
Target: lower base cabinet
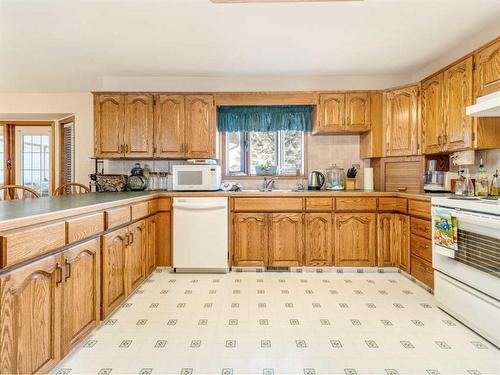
{"x": 250, "y": 239}
{"x": 318, "y": 234}
{"x": 63, "y": 291}
{"x": 150, "y": 251}
{"x": 356, "y": 239}
{"x": 394, "y": 241}
{"x": 123, "y": 264}
{"x": 285, "y": 240}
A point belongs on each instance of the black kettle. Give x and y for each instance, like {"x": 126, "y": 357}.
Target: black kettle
{"x": 316, "y": 180}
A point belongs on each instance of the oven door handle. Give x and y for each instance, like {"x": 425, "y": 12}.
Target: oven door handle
{"x": 441, "y": 250}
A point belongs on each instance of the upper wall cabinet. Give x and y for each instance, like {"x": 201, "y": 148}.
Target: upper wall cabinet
{"x": 457, "y": 96}
{"x": 169, "y": 126}
{"x": 343, "y": 113}
{"x": 401, "y": 121}
{"x": 432, "y": 114}
{"x": 138, "y": 137}
{"x": 145, "y": 126}
{"x": 200, "y": 126}
{"x": 123, "y": 126}
{"x": 487, "y": 73}
{"x": 109, "y": 125}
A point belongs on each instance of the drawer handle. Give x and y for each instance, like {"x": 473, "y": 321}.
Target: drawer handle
{"x": 68, "y": 270}
{"x": 59, "y": 274}
{"x": 402, "y": 188}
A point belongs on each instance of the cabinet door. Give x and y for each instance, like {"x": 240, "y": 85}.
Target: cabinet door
{"x": 285, "y": 239}
{"x": 30, "y": 317}
{"x": 169, "y": 126}
{"x": 331, "y": 113}
{"x": 432, "y": 114}
{"x": 487, "y": 73}
{"x": 357, "y": 107}
{"x": 387, "y": 240}
{"x": 113, "y": 270}
{"x": 318, "y": 239}
{"x": 403, "y": 231}
{"x": 163, "y": 239}
{"x": 138, "y": 137}
{"x": 81, "y": 293}
{"x": 250, "y": 239}
{"x": 150, "y": 257}
{"x": 108, "y": 125}
{"x": 134, "y": 256}
{"x": 356, "y": 240}
{"x": 200, "y": 126}
{"x": 401, "y": 121}
{"x": 457, "y": 96}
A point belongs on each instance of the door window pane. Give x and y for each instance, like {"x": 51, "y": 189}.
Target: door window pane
{"x": 35, "y": 162}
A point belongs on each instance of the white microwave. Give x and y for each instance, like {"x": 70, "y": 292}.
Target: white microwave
{"x": 191, "y": 177}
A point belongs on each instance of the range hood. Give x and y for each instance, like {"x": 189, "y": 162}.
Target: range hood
{"x": 486, "y": 106}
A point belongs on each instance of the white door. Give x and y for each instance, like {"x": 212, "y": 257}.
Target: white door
{"x": 33, "y": 147}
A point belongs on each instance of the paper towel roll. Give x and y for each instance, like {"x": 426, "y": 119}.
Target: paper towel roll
{"x": 368, "y": 179}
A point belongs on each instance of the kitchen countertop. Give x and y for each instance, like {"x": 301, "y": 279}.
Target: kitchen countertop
{"x": 39, "y": 210}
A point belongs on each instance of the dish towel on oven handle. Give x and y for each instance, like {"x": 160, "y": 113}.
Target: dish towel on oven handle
{"x": 444, "y": 228}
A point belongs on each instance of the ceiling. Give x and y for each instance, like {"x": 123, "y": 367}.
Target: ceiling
{"x": 70, "y": 45}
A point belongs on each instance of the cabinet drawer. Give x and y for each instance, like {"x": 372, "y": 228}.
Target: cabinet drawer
{"x": 422, "y": 270}
{"x": 20, "y": 245}
{"x": 421, "y": 227}
{"x": 393, "y": 204}
{"x": 164, "y": 204}
{"x": 117, "y": 216}
{"x": 319, "y": 204}
{"x": 355, "y": 204}
{"x": 420, "y": 209}
{"x": 268, "y": 204}
{"x": 83, "y": 227}
{"x": 140, "y": 210}
{"x": 421, "y": 247}
{"x": 153, "y": 206}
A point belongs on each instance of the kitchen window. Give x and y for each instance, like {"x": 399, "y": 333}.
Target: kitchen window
{"x": 264, "y": 140}
{"x": 279, "y": 153}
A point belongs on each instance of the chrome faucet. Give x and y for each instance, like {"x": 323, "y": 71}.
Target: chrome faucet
{"x": 268, "y": 184}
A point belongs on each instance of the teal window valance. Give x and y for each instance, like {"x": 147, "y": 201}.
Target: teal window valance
{"x": 264, "y": 118}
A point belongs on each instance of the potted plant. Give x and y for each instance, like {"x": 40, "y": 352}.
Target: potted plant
{"x": 265, "y": 169}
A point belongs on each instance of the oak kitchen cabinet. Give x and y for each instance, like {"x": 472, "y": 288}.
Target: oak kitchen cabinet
{"x": 401, "y": 110}
{"x": 343, "y": 113}
{"x": 356, "y": 239}
{"x": 268, "y": 239}
{"x": 63, "y": 289}
{"x": 154, "y": 126}
{"x": 250, "y": 240}
{"x": 285, "y": 239}
{"x": 123, "y": 125}
{"x": 150, "y": 252}
{"x": 487, "y": 72}
{"x": 318, "y": 239}
{"x": 432, "y": 114}
{"x": 123, "y": 264}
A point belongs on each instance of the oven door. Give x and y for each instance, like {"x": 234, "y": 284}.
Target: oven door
{"x": 474, "y": 257}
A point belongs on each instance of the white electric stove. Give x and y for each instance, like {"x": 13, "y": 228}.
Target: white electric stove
{"x": 466, "y": 259}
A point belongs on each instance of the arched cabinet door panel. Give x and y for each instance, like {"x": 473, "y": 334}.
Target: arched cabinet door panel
{"x": 81, "y": 296}
{"x": 286, "y": 239}
{"x": 432, "y": 114}
{"x": 109, "y": 125}
{"x": 250, "y": 239}
{"x": 318, "y": 245}
{"x": 169, "y": 126}
{"x": 138, "y": 126}
{"x": 30, "y": 317}
{"x": 357, "y": 108}
{"x": 135, "y": 256}
{"x": 200, "y": 126}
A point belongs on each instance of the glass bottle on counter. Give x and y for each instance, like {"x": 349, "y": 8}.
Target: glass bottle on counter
{"x": 482, "y": 185}
{"x": 468, "y": 185}
{"x": 495, "y": 185}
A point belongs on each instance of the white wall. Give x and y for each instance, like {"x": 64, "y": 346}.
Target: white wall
{"x": 78, "y": 104}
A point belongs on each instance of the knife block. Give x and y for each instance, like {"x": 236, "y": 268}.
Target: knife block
{"x": 350, "y": 183}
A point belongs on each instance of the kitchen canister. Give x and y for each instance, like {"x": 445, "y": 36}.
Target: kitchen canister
{"x": 368, "y": 178}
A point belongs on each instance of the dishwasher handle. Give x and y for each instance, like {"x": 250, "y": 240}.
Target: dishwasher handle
{"x": 199, "y": 206}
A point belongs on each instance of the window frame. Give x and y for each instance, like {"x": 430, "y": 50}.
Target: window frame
{"x": 246, "y": 176}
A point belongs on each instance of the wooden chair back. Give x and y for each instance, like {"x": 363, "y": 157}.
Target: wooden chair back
{"x": 11, "y": 192}
{"x": 72, "y": 188}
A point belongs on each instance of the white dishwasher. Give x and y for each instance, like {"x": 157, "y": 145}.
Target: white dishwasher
{"x": 200, "y": 234}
